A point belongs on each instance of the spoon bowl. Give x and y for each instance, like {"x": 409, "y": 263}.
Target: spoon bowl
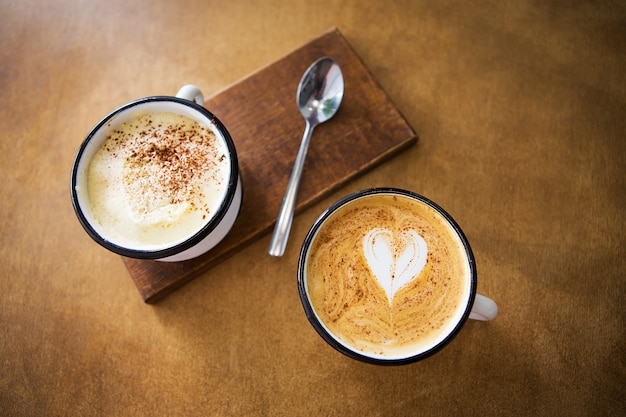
{"x": 319, "y": 96}
{"x": 320, "y": 91}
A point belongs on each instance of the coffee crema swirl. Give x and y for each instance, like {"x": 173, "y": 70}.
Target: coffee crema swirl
{"x": 346, "y": 284}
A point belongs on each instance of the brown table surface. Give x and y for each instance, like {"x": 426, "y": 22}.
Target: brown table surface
{"x": 520, "y": 108}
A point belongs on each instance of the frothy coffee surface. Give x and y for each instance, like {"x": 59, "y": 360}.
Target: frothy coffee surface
{"x": 388, "y": 276}
{"x": 157, "y": 180}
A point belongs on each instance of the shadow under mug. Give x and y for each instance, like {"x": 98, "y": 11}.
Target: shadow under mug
{"x": 188, "y": 102}
{"x": 474, "y": 306}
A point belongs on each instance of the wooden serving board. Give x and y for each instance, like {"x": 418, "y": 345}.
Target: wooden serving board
{"x": 261, "y": 115}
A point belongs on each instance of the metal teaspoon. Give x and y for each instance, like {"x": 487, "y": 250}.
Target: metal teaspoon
{"x": 319, "y": 95}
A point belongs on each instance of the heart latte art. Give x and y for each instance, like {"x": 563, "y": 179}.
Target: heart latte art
{"x": 394, "y": 263}
{"x": 387, "y": 276}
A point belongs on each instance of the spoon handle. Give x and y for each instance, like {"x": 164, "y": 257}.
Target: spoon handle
{"x": 285, "y": 216}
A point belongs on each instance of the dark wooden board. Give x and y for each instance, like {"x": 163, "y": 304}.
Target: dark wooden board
{"x": 261, "y": 115}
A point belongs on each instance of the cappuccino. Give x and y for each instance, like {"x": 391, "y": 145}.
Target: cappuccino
{"x": 387, "y": 276}
{"x": 157, "y": 179}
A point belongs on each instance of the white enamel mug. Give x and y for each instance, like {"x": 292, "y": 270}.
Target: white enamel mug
{"x": 188, "y": 102}
{"x": 472, "y": 305}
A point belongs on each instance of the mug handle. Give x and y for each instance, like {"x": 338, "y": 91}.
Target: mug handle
{"x": 192, "y": 93}
{"x": 484, "y": 309}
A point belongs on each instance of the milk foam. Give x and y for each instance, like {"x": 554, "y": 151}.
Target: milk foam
{"x": 394, "y": 262}
{"x": 156, "y": 180}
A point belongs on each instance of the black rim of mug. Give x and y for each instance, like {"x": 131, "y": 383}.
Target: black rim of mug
{"x": 310, "y": 312}
{"x": 202, "y": 233}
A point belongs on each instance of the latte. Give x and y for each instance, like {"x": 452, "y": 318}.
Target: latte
{"x": 387, "y": 276}
{"x": 156, "y": 180}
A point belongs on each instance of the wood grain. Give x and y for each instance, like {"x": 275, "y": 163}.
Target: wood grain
{"x": 261, "y": 115}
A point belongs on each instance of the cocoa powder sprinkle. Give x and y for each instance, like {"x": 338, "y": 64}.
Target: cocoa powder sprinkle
{"x": 166, "y": 159}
